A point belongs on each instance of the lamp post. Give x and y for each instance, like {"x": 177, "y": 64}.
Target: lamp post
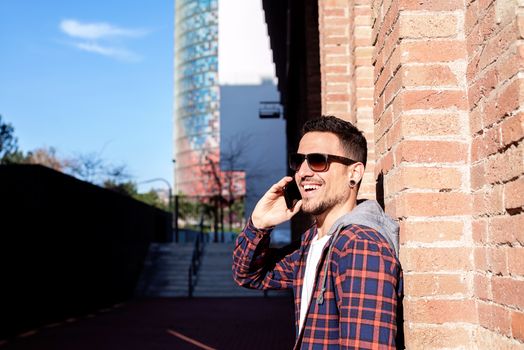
{"x": 175, "y": 209}
{"x": 174, "y": 227}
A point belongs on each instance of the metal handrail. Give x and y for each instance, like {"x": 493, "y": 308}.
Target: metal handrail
{"x": 195, "y": 259}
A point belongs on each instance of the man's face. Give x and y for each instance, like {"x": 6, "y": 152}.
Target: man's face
{"x": 322, "y": 191}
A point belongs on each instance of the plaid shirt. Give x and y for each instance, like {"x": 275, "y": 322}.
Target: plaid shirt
{"x": 363, "y": 284}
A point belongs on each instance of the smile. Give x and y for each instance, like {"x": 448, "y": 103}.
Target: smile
{"x": 310, "y": 188}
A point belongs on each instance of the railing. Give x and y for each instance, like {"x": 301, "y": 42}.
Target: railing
{"x": 195, "y": 260}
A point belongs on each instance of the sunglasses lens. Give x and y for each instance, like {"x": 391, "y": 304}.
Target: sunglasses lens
{"x": 295, "y": 160}
{"x": 317, "y": 161}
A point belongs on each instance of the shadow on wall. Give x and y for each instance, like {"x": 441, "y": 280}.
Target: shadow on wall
{"x": 67, "y": 247}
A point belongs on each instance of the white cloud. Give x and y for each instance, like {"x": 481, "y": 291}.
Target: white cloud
{"x": 100, "y": 38}
{"x": 121, "y": 54}
{"x": 97, "y": 30}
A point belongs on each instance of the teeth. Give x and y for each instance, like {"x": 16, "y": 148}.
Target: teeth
{"x": 311, "y": 187}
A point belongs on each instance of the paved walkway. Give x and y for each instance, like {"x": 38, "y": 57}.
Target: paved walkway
{"x": 172, "y": 323}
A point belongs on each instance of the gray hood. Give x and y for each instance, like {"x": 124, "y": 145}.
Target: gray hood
{"x": 369, "y": 213}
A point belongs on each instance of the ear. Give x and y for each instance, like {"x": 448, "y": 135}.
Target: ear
{"x": 356, "y": 172}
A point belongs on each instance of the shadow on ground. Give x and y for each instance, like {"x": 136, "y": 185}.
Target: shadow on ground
{"x": 173, "y": 323}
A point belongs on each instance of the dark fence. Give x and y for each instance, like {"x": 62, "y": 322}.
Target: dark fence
{"x": 67, "y": 247}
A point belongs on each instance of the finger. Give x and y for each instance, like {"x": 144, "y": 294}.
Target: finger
{"x": 284, "y": 181}
{"x": 296, "y": 208}
{"x": 276, "y": 188}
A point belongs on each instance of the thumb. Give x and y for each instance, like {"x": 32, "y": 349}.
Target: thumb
{"x": 296, "y": 208}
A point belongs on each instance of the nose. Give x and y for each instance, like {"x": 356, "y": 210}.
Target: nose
{"x": 304, "y": 170}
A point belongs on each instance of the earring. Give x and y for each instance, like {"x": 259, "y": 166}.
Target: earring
{"x": 352, "y": 183}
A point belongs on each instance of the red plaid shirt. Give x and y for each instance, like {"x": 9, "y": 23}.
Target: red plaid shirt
{"x": 362, "y": 288}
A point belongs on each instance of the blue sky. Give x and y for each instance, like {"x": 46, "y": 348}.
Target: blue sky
{"x": 91, "y": 77}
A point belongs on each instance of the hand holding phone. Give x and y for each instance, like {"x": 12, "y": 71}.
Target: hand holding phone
{"x": 291, "y": 194}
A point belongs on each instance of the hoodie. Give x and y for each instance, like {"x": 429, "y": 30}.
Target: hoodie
{"x": 367, "y": 213}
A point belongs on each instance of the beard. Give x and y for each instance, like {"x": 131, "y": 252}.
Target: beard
{"x": 319, "y": 207}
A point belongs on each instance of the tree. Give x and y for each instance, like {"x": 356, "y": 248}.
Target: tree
{"x": 48, "y": 157}
{"x": 129, "y": 188}
{"x": 9, "y": 152}
{"x": 91, "y": 167}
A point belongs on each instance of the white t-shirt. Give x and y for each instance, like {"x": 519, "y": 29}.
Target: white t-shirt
{"x": 315, "y": 252}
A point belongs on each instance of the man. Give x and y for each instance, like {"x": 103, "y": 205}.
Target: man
{"x": 345, "y": 276}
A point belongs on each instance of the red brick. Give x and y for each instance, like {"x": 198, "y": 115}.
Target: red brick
{"x": 477, "y": 176}
{"x": 471, "y": 17}
{"x": 432, "y": 151}
{"x": 505, "y": 166}
{"x": 341, "y": 30}
{"x": 431, "y": 5}
{"x": 508, "y": 291}
{"x": 434, "y": 124}
{"x": 429, "y": 178}
{"x": 334, "y": 12}
{"x": 337, "y": 69}
{"x": 334, "y": 108}
{"x": 507, "y": 101}
{"x": 432, "y": 51}
{"x": 384, "y": 123}
{"x": 506, "y": 229}
{"x": 495, "y": 318}
{"x": 436, "y": 259}
{"x": 385, "y": 163}
{"x": 335, "y": 40}
{"x": 432, "y": 231}
{"x": 422, "y": 285}
{"x": 430, "y": 25}
{"x": 338, "y": 97}
{"x": 363, "y": 55}
{"x": 475, "y": 120}
{"x": 507, "y": 65}
{"x": 512, "y": 129}
{"x": 428, "y": 75}
{"x": 433, "y": 99}
{"x": 517, "y": 325}
{"x": 514, "y": 194}
{"x": 481, "y": 258}
{"x": 480, "y": 230}
{"x": 435, "y": 204}
{"x": 482, "y": 287}
{"x": 482, "y": 87}
{"x": 435, "y": 337}
{"x": 497, "y": 260}
{"x": 516, "y": 261}
{"x": 488, "y": 24}
{"x": 393, "y": 135}
{"x": 488, "y": 201}
{"x": 440, "y": 311}
{"x": 486, "y": 144}
{"x": 390, "y": 89}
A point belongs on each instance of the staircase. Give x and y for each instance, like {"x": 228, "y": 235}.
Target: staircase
{"x": 165, "y": 271}
{"x": 166, "y": 268}
{"x": 215, "y": 278}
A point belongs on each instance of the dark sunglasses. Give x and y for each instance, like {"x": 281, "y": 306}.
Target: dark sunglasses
{"x": 317, "y": 162}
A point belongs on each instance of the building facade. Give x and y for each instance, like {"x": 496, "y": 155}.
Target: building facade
{"x": 437, "y": 87}
{"x": 197, "y": 96}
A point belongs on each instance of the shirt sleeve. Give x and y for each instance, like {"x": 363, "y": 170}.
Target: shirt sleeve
{"x": 367, "y": 286}
{"x": 252, "y": 263}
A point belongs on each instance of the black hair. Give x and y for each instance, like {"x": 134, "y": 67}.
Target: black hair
{"x": 351, "y": 139}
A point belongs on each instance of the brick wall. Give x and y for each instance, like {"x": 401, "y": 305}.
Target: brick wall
{"x": 446, "y": 130}
{"x": 347, "y": 72}
{"x": 492, "y": 31}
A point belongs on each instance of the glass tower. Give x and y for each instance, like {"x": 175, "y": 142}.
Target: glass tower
{"x": 197, "y": 105}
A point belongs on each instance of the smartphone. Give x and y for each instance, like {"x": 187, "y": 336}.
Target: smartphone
{"x": 291, "y": 194}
